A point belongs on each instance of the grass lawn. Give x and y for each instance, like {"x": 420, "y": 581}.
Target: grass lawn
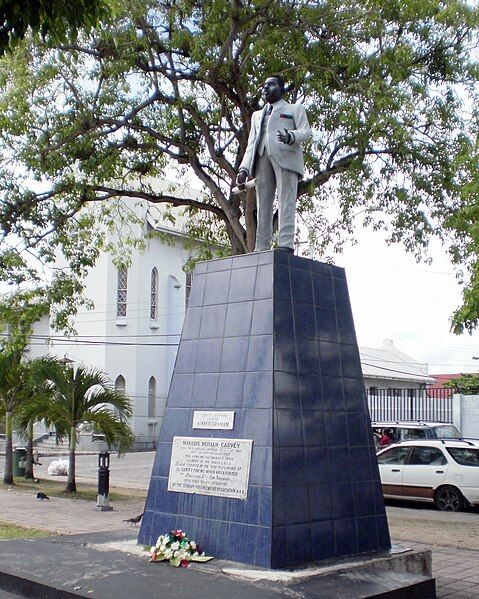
{"x": 56, "y": 488}
{"x": 9, "y": 532}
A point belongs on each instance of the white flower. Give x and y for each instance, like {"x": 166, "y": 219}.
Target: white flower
{"x": 152, "y": 550}
{"x": 175, "y": 545}
{"x": 192, "y": 544}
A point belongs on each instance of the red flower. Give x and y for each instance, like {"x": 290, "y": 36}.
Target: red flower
{"x": 184, "y": 563}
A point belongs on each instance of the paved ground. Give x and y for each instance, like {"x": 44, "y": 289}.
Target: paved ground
{"x": 65, "y": 516}
{"x": 456, "y": 571}
{"x": 456, "y": 567}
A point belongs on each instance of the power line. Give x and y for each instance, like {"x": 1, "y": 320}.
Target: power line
{"x": 54, "y": 337}
{"x": 92, "y": 342}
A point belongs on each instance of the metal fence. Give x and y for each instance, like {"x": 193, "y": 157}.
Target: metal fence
{"x": 430, "y": 405}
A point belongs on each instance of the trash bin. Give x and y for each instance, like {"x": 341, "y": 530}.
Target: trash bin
{"x": 19, "y": 461}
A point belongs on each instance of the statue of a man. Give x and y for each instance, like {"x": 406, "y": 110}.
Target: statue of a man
{"x": 274, "y": 159}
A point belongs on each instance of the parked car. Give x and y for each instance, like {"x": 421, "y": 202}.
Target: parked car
{"x": 413, "y": 429}
{"x": 442, "y": 471}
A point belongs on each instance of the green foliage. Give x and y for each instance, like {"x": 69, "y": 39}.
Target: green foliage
{"x": 167, "y": 90}
{"x": 467, "y": 384}
{"x": 55, "y": 20}
{"x": 17, "y": 385}
{"x": 79, "y": 395}
{"x": 12, "y": 378}
{"x": 18, "y": 312}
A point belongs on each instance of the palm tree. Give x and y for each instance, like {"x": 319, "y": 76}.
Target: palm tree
{"x": 80, "y": 395}
{"x": 36, "y": 386}
{"x": 13, "y": 379}
{"x": 19, "y": 385}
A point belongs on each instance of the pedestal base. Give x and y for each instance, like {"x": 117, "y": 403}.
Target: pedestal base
{"x": 270, "y": 337}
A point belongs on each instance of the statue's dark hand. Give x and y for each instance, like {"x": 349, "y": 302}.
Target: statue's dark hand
{"x": 241, "y": 179}
{"x": 284, "y": 137}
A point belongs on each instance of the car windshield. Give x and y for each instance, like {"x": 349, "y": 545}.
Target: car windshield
{"x": 447, "y": 432}
{"x": 466, "y": 456}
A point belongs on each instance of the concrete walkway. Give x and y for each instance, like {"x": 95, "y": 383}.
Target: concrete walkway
{"x": 65, "y": 516}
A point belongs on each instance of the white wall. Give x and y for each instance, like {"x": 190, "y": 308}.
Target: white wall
{"x": 134, "y": 347}
{"x": 466, "y": 414}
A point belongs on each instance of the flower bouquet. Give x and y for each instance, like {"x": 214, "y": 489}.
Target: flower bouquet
{"x": 177, "y": 549}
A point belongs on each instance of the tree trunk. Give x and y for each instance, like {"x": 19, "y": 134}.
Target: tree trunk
{"x": 71, "y": 484}
{"x": 29, "y": 465}
{"x": 8, "y": 474}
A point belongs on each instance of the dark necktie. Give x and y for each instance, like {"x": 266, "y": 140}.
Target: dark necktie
{"x": 270, "y": 109}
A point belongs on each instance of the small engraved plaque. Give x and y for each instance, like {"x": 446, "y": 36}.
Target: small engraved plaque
{"x": 214, "y": 420}
{"x": 210, "y": 466}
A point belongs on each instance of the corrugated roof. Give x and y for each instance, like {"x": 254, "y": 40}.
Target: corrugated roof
{"x": 388, "y": 362}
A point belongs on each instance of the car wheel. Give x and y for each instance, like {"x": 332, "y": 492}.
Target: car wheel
{"x": 449, "y": 499}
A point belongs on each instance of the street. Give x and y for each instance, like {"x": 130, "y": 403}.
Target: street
{"x": 132, "y": 471}
{"x": 423, "y": 523}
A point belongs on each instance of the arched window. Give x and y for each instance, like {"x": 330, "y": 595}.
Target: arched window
{"x": 152, "y": 398}
{"x": 120, "y": 385}
{"x": 154, "y": 294}
{"x": 122, "y": 285}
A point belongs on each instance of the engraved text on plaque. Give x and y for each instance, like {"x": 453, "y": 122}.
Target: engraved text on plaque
{"x": 210, "y": 466}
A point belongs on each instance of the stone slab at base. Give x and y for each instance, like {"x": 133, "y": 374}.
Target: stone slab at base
{"x": 112, "y": 565}
{"x": 403, "y": 574}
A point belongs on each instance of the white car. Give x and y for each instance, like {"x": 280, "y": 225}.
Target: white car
{"x": 442, "y": 471}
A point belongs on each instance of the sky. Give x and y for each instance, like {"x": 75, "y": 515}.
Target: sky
{"x": 393, "y": 297}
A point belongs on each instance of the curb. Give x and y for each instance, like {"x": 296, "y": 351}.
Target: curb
{"x": 26, "y": 587}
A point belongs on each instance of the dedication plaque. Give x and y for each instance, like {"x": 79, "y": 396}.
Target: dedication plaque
{"x": 210, "y": 466}
{"x": 213, "y": 420}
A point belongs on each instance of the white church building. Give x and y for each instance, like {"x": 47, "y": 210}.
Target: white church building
{"x": 134, "y": 329}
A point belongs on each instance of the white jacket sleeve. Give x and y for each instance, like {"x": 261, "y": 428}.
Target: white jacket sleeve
{"x": 303, "y": 130}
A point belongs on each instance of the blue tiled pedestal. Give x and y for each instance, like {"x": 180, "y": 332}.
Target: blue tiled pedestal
{"x": 271, "y": 337}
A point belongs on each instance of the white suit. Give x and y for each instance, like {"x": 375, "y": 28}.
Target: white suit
{"x": 276, "y": 166}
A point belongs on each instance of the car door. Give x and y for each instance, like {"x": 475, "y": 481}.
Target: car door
{"x": 425, "y": 469}
{"x": 391, "y": 463}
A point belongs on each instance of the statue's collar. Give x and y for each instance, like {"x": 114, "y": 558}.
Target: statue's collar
{"x": 275, "y": 106}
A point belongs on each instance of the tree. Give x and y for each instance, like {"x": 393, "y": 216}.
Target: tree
{"x": 19, "y": 386}
{"x": 390, "y": 87}
{"x": 12, "y": 393}
{"x": 467, "y": 384}
{"x": 80, "y": 395}
{"x": 55, "y": 19}
{"x": 35, "y": 389}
